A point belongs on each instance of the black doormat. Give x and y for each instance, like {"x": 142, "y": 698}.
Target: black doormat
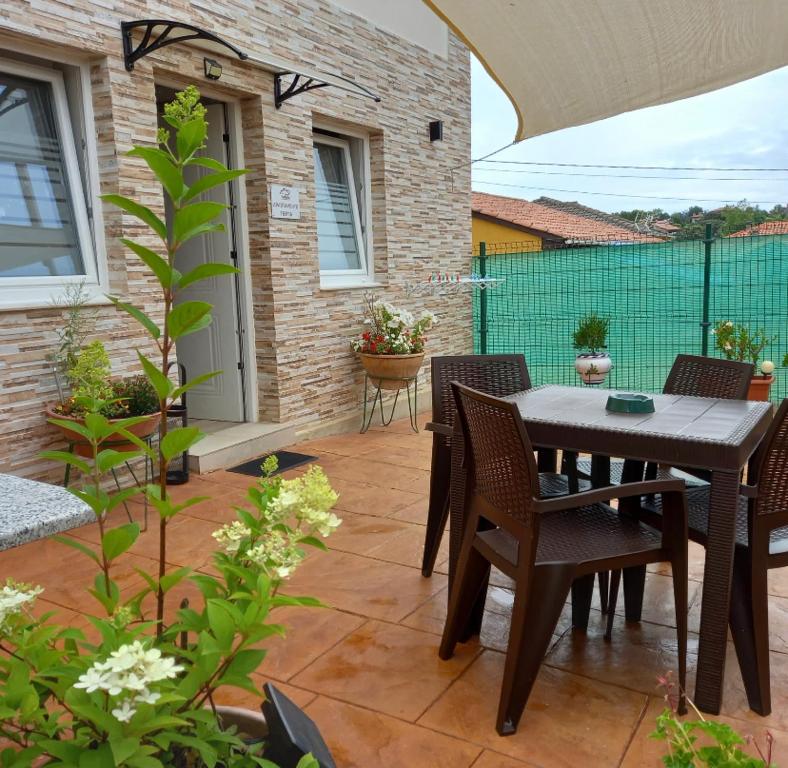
{"x": 287, "y": 460}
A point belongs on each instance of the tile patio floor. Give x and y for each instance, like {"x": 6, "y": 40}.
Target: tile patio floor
{"x": 366, "y": 669}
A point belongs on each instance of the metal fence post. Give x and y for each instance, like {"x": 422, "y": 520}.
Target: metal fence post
{"x": 707, "y": 241}
{"x": 482, "y": 299}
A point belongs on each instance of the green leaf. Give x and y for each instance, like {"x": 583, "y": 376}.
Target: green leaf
{"x": 123, "y": 748}
{"x": 211, "y": 180}
{"x": 161, "y": 383}
{"x": 246, "y": 662}
{"x": 108, "y": 459}
{"x": 221, "y": 623}
{"x": 158, "y": 265}
{"x": 67, "y": 458}
{"x": 179, "y": 440}
{"x": 144, "y": 214}
{"x": 188, "y": 317}
{"x": 191, "y": 220}
{"x": 169, "y": 580}
{"x": 118, "y": 540}
{"x": 159, "y": 162}
{"x": 78, "y": 545}
{"x": 190, "y": 137}
{"x": 73, "y": 426}
{"x": 207, "y": 162}
{"x": 194, "y": 382}
{"x": 138, "y": 315}
{"x": 205, "y": 271}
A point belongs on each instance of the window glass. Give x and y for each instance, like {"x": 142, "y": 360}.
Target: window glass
{"x": 338, "y": 230}
{"x": 38, "y": 236}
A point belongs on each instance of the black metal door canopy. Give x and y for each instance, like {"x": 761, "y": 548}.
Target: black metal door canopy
{"x": 180, "y": 32}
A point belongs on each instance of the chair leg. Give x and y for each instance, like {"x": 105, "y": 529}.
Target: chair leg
{"x": 749, "y": 623}
{"x": 604, "y": 588}
{"x": 472, "y": 573}
{"x": 547, "y": 459}
{"x": 680, "y": 576}
{"x": 582, "y": 594}
{"x": 634, "y": 585}
{"x": 535, "y": 614}
{"x": 438, "y": 510}
{"x": 615, "y": 584}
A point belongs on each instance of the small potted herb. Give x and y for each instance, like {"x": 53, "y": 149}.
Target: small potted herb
{"x": 738, "y": 342}
{"x": 592, "y": 363}
{"x": 89, "y": 378}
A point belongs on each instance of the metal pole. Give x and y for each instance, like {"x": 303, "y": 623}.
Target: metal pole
{"x": 482, "y": 299}
{"x": 707, "y": 241}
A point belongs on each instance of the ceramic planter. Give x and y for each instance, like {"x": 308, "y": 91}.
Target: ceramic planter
{"x": 115, "y": 441}
{"x": 759, "y": 387}
{"x": 390, "y": 371}
{"x": 593, "y": 368}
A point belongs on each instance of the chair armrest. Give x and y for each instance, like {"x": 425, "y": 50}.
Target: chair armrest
{"x": 750, "y": 491}
{"x": 598, "y": 495}
{"x": 439, "y": 429}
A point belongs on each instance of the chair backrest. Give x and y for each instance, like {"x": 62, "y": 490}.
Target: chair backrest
{"x": 771, "y": 466}
{"x": 709, "y": 377}
{"x": 498, "y": 454}
{"x": 497, "y": 375}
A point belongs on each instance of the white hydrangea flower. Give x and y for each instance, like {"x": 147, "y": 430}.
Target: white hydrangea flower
{"x": 15, "y": 597}
{"x": 131, "y": 669}
{"x": 277, "y": 553}
{"x": 231, "y": 535}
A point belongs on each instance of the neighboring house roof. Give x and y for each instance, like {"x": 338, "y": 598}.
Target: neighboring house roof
{"x": 588, "y": 213}
{"x": 665, "y": 225}
{"x": 551, "y": 221}
{"x": 766, "y": 228}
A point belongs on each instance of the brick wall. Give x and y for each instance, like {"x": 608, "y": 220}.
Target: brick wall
{"x": 420, "y": 212}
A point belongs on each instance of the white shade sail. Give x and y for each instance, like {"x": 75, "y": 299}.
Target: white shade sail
{"x": 569, "y": 62}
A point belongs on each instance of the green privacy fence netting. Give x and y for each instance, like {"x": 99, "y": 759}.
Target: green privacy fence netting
{"x": 653, "y": 294}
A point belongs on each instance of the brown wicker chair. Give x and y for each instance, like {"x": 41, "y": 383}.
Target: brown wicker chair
{"x": 497, "y": 375}
{"x": 761, "y": 544}
{"x": 543, "y": 545}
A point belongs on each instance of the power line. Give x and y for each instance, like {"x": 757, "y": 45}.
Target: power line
{"x": 629, "y": 175}
{"x": 614, "y": 194}
{"x": 627, "y": 167}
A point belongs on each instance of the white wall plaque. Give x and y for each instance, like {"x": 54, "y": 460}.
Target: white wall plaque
{"x": 285, "y": 203}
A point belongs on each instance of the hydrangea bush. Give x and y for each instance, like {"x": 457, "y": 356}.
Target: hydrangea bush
{"x": 392, "y": 330}
{"x": 137, "y": 689}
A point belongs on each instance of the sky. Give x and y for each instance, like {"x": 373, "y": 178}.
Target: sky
{"x": 741, "y": 126}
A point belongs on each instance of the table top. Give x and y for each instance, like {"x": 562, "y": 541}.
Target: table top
{"x": 30, "y": 510}
{"x": 690, "y": 431}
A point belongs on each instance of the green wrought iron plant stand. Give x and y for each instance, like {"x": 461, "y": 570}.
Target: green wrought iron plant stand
{"x": 377, "y": 400}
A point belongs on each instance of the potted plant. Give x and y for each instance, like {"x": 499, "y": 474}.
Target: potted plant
{"x": 392, "y": 349}
{"x": 738, "y": 342}
{"x": 590, "y": 335}
{"x": 139, "y": 690}
{"x": 89, "y": 377}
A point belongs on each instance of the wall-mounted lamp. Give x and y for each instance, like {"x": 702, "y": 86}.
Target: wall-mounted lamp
{"x": 436, "y": 130}
{"x": 213, "y": 69}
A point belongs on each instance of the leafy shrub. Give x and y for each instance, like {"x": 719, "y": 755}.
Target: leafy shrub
{"x": 591, "y": 333}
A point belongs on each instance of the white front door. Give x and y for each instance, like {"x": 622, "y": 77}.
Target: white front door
{"x": 216, "y": 348}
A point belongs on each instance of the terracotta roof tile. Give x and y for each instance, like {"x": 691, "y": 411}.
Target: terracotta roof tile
{"x": 570, "y": 227}
{"x": 766, "y": 228}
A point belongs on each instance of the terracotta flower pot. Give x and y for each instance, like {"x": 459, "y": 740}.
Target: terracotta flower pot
{"x": 759, "y": 387}
{"x": 389, "y": 371}
{"x": 115, "y": 441}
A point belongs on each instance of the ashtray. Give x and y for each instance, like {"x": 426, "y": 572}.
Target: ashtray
{"x": 627, "y": 402}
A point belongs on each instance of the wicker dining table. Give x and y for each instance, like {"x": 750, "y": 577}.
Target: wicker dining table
{"x": 718, "y": 436}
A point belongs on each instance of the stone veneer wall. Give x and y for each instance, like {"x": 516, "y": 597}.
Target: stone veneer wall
{"x": 420, "y": 213}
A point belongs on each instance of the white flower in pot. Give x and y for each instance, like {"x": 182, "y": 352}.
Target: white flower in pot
{"x": 592, "y": 363}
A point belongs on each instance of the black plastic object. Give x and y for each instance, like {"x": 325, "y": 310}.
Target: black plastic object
{"x": 291, "y": 734}
{"x": 178, "y": 471}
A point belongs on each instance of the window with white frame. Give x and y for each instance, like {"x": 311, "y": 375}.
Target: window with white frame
{"x": 45, "y": 235}
{"x": 342, "y": 203}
